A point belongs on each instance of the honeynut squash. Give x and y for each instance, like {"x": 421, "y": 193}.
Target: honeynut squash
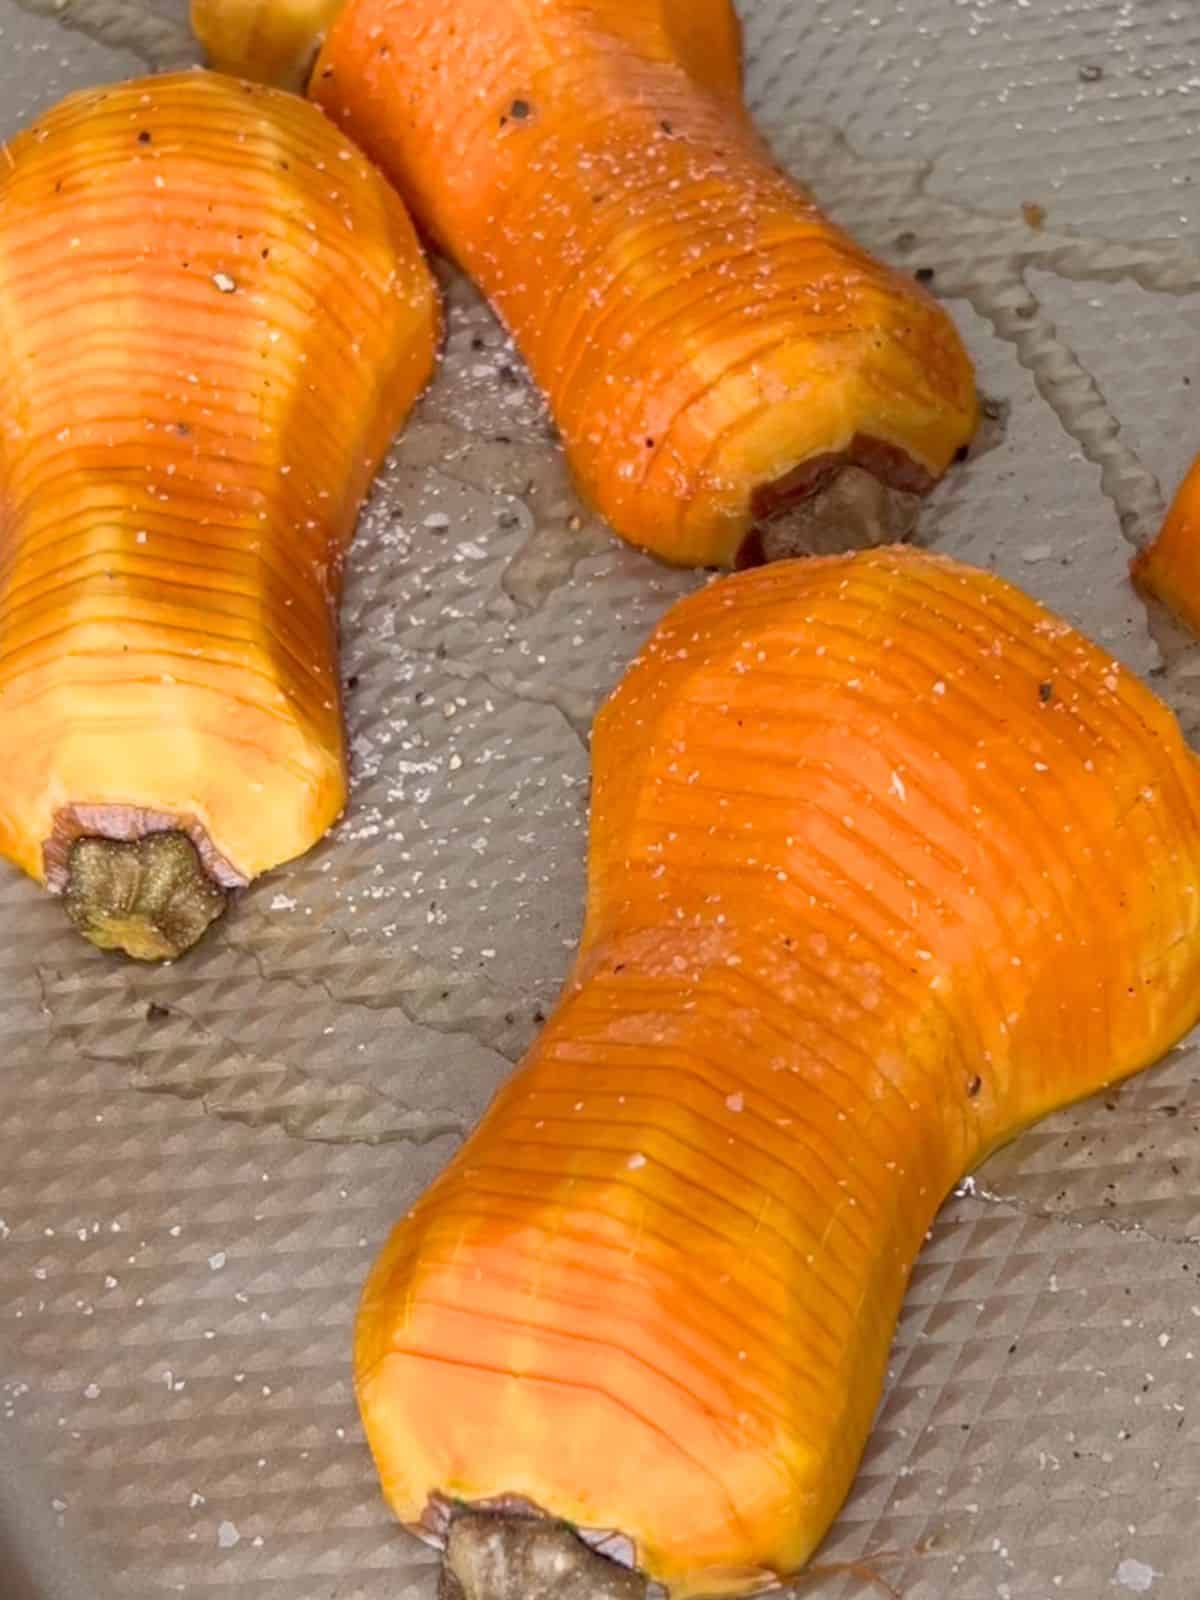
{"x": 732, "y": 375}
{"x": 887, "y": 862}
{"x": 214, "y": 315}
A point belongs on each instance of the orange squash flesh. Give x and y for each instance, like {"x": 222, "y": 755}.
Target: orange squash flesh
{"x": 214, "y": 315}
{"x": 887, "y": 862}
{"x": 270, "y": 41}
{"x": 711, "y": 346}
{"x": 1169, "y": 568}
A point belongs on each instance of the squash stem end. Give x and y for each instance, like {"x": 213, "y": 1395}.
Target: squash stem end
{"x": 495, "y": 1555}
{"x": 152, "y": 897}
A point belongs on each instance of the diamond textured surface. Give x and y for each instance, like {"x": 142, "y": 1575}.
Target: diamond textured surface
{"x": 197, "y": 1163}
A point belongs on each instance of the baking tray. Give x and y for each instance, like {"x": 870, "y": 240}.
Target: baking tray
{"x": 198, "y": 1162}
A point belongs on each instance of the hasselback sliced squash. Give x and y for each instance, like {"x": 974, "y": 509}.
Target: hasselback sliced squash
{"x": 714, "y": 349}
{"x": 214, "y": 315}
{"x": 887, "y": 862}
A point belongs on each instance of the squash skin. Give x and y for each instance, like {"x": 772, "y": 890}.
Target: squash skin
{"x": 1168, "y": 569}
{"x": 214, "y": 315}
{"x": 711, "y": 346}
{"x": 887, "y": 862}
{"x": 269, "y": 41}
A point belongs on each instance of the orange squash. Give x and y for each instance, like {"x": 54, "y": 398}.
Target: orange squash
{"x": 1168, "y": 569}
{"x": 214, "y": 315}
{"x": 887, "y": 862}
{"x": 271, "y": 41}
{"x": 713, "y": 349}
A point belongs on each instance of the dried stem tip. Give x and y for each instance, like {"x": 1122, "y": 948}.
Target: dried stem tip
{"x": 498, "y": 1556}
{"x": 150, "y": 897}
{"x": 851, "y": 510}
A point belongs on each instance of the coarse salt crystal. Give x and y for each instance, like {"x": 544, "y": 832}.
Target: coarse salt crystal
{"x": 1136, "y": 1575}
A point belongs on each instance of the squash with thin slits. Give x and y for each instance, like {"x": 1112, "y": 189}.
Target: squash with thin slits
{"x": 714, "y": 349}
{"x": 214, "y": 315}
{"x": 1169, "y": 567}
{"x": 887, "y": 862}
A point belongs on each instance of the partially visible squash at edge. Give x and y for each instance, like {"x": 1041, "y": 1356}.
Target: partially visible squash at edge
{"x": 887, "y": 862}
{"x": 269, "y": 41}
{"x": 214, "y": 316}
{"x": 1169, "y": 567}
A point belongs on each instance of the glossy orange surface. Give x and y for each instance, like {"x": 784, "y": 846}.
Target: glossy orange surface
{"x": 214, "y": 315}
{"x": 1169, "y": 568}
{"x": 886, "y": 863}
{"x": 707, "y": 339}
{"x": 271, "y": 41}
